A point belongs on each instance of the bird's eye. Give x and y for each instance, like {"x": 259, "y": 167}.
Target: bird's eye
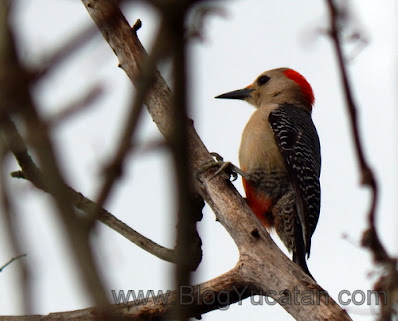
{"x": 263, "y": 80}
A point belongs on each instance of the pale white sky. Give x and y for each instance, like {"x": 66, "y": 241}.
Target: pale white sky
{"x": 253, "y": 37}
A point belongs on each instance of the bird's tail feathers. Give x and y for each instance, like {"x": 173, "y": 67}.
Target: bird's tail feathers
{"x": 299, "y": 252}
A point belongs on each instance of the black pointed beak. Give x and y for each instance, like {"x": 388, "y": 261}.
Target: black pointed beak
{"x": 237, "y": 94}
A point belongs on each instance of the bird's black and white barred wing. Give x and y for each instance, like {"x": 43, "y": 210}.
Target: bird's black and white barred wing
{"x": 298, "y": 142}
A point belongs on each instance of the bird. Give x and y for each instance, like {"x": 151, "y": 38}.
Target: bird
{"x": 280, "y": 158}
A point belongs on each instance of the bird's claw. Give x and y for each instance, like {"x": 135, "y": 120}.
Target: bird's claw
{"x": 226, "y": 167}
{"x": 217, "y": 157}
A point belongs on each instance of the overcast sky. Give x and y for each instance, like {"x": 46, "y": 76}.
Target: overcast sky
{"x": 248, "y": 38}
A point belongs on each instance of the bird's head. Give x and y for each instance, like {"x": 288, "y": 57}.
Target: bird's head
{"x": 276, "y": 86}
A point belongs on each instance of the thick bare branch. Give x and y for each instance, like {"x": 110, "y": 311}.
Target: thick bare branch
{"x": 211, "y": 295}
{"x": 270, "y": 268}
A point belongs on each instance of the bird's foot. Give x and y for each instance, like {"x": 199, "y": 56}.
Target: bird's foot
{"x": 226, "y": 167}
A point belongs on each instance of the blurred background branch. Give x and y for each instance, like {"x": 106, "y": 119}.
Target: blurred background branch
{"x": 370, "y": 239}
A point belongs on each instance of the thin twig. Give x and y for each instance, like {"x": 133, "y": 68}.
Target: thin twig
{"x": 367, "y": 176}
{"x": 370, "y": 238}
{"x": 10, "y": 261}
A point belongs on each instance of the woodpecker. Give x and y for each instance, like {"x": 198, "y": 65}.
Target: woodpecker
{"x": 280, "y": 158}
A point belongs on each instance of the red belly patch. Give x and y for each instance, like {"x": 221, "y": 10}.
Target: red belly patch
{"x": 259, "y": 204}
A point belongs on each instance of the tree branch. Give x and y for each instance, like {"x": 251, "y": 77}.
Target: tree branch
{"x": 370, "y": 238}
{"x": 32, "y": 173}
{"x": 211, "y": 295}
